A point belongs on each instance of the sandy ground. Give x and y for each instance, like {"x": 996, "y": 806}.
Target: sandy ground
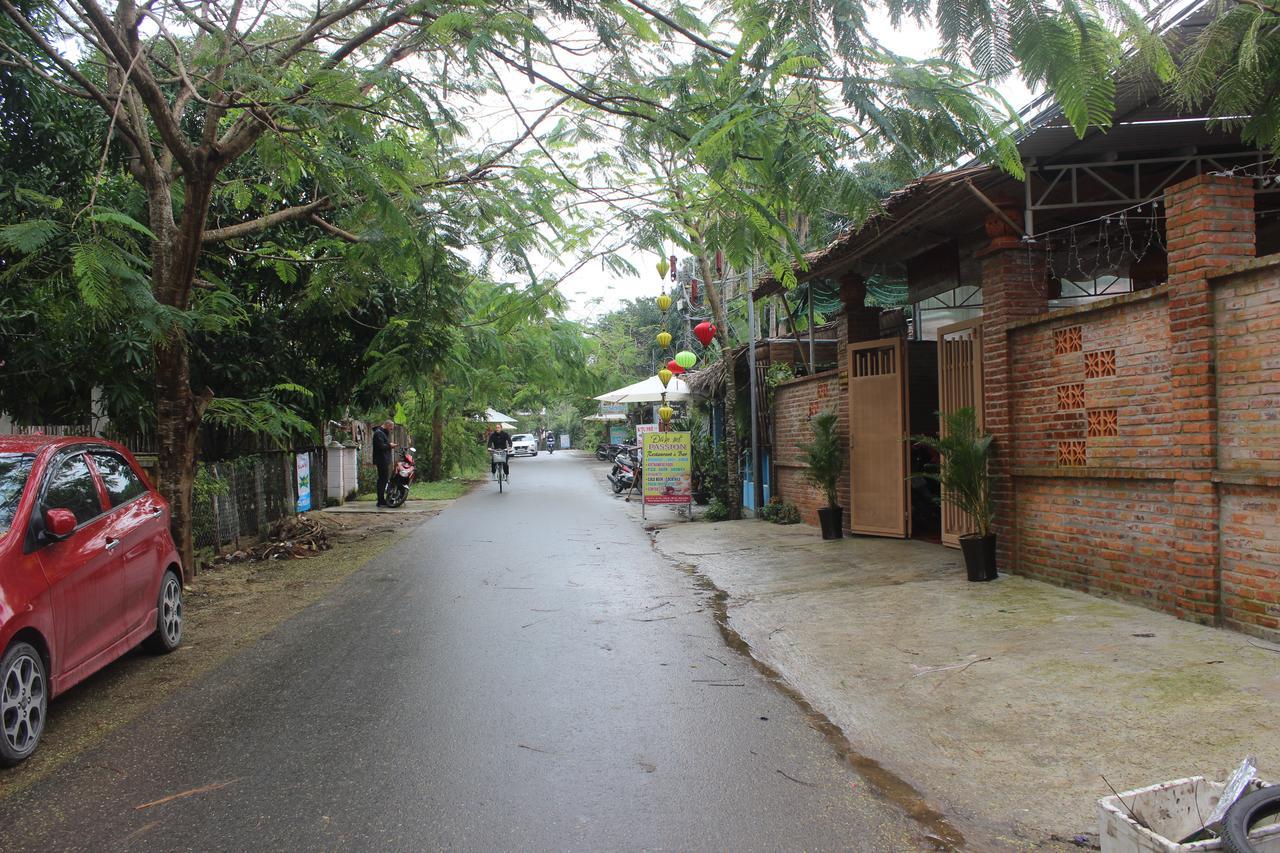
{"x": 226, "y": 608}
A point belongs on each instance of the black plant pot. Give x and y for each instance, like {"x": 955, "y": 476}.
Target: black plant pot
{"x": 979, "y": 556}
{"x": 829, "y": 517}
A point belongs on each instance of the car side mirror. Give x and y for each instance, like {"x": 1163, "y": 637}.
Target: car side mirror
{"x": 59, "y": 523}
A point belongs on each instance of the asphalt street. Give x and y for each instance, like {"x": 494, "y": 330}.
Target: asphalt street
{"x": 523, "y": 672}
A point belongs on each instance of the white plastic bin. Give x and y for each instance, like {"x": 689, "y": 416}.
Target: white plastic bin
{"x": 1170, "y": 810}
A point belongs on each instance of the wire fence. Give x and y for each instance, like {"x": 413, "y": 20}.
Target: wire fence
{"x": 242, "y": 498}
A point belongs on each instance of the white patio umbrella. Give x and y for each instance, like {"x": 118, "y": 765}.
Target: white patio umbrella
{"x": 649, "y": 391}
{"x": 493, "y": 416}
{"x": 612, "y": 416}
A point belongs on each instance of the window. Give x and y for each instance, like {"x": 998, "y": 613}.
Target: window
{"x": 14, "y": 468}
{"x": 122, "y": 484}
{"x": 71, "y": 487}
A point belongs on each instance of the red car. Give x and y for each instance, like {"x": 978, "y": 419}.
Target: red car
{"x": 88, "y": 570}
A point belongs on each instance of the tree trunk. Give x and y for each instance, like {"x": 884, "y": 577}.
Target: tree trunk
{"x": 733, "y": 472}
{"x": 175, "y": 253}
{"x": 177, "y": 435}
{"x": 435, "y": 467}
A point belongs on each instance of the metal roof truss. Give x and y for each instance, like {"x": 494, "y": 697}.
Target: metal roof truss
{"x": 1069, "y": 186}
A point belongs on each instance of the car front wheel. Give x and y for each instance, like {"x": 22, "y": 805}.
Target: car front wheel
{"x": 168, "y": 633}
{"x": 24, "y": 698}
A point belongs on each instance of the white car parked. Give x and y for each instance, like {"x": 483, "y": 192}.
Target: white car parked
{"x": 524, "y": 445}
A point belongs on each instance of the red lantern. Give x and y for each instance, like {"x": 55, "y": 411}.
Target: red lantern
{"x": 674, "y": 368}
{"x": 673, "y": 267}
{"x": 704, "y": 332}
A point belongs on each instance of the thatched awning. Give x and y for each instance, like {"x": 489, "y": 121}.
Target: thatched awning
{"x": 707, "y": 382}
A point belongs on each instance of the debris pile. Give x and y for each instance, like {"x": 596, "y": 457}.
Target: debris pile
{"x": 288, "y": 539}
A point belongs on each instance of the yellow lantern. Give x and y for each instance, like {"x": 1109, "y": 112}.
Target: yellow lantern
{"x": 663, "y": 266}
{"x": 666, "y": 412}
{"x": 664, "y": 339}
{"x": 664, "y": 302}
{"x": 665, "y": 375}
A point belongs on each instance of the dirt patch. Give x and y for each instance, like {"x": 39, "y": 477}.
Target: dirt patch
{"x": 227, "y": 608}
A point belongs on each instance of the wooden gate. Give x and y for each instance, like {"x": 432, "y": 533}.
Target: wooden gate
{"x": 959, "y": 386}
{"x": 879, "y": 502}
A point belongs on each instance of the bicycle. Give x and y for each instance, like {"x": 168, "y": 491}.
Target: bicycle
{"x": 500, "y": 473}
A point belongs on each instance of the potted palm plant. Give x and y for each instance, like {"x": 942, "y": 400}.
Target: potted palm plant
{"x": 963, "y": 473}
{"x": 825, "y": 458}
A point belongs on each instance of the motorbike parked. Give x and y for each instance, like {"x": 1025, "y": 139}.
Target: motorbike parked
{"x": 606, "y": 451}
{"x": 627, "y": 470}
{"x": 398, "y": 486}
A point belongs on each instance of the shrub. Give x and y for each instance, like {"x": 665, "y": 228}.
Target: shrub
{"x": 779, "y": 511}
{"x": 716, "y": 511}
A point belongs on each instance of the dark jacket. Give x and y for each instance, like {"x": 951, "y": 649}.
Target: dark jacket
{"x": 381, "y": 446}
{"x": 499, "y": 440}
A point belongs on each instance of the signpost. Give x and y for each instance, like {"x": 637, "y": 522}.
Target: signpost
{"x": 617, "y": 433}
{"x": 667, "y": 469}
{"x": 304, "y": 482}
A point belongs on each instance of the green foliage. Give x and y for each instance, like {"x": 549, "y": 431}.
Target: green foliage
{"x": 825, "y": 455}
{"x": 716, "y": 511}
{"x": 964, "y": 470}
{"x": 779, "y": 372}
{"x": 1231, "y": 68}
{"x": 779, "y": 511}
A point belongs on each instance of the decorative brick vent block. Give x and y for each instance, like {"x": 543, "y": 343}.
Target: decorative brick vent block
{"x": 1103, "y": 423}
{"x": 1099, "y": 364}
{"x": 1071, "y": 396}
{"x": 1071, "y": 454}
{"x": 1067, "y": 340}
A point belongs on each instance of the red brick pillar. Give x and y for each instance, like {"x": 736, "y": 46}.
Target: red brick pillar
{"x": 1209, "y": 224}
{"x": 1013, "y": 288}
{"x": 862, "y": 323}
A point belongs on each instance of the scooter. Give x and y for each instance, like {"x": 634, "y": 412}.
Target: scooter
{"x": 626, "y": 470}
{"x": 401, "y": 479}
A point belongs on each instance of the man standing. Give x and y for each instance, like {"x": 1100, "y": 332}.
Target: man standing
{"x": 499, "y": 440}
{"x": 382, "y": 445}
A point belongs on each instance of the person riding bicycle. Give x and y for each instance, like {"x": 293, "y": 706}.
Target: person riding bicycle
{"x": 499, "y": 440}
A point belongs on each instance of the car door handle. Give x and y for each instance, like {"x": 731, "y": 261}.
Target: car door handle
{"x": 112, "y": 544}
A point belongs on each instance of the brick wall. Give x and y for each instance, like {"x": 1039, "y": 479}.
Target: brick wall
{"x": 1246, "y": 309}
{"x": 1098, "y": 376}
{"x": 1247, "y": 343}
{"x": 1138, "y": 439}
{"x": 795, "y": 403}
{"x": 1103, "y": 536}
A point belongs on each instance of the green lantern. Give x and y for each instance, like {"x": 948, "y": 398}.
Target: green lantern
{"x": 686, "y": 359}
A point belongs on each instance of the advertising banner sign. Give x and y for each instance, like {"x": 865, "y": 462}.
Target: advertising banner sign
{"x": 667, "y": 468}
{"x": 617, "y": 433}
{"x": 613, "y": 408}
{"x": 644, "y": 429}
{"x": 304, "y": 482}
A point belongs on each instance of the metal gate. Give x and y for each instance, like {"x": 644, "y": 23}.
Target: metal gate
{"x": 959, "y": 386}
{"x": 878, "y": 466}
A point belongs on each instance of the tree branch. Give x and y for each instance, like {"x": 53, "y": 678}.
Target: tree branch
{"x": 325, "y": 225}
{"x": 253, "y": 226}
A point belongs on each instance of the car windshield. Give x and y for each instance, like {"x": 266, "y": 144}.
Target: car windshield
{"x": 523, "y": 437}
{"x": 14, "y": 468}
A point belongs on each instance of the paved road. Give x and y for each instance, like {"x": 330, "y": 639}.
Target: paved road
{"x": 521, "y": 673}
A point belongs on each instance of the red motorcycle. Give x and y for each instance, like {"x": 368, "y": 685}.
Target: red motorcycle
{"x": 398, "y": 487}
